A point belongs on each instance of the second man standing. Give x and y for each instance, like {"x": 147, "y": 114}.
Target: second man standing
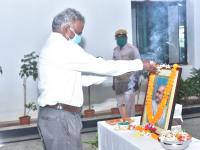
{"x": 124, "y": 85}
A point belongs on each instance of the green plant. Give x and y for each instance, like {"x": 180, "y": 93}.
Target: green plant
{"x": 181, "y": 90}
{"x": 190, "y": 86}
{"x": 28, "y": 69}
{"x": 93, "y": 143}
{"x": 31, "y": 106}
{"x": 195, "y": 82}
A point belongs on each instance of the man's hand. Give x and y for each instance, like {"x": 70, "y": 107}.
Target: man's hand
{"x": 149, "y": 66}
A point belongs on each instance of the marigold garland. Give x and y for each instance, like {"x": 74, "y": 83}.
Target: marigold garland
{"x": 154, "y": 118}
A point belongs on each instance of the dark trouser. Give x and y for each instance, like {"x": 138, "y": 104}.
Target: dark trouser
{"x": 60, "y": 129}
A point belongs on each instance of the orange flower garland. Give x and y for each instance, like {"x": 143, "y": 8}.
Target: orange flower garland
{"x": 154, "y": 118}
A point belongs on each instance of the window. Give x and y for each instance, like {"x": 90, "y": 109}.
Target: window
{"x": 159, "y": 30}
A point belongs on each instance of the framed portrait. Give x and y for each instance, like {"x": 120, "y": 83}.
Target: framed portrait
{"x": 160, "y": 97}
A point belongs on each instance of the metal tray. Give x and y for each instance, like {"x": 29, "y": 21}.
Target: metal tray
{"x": 175, "y": 145}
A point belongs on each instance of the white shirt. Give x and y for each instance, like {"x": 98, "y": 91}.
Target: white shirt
{"x": 60, "y": 68}
{"x": 161, "y": 122}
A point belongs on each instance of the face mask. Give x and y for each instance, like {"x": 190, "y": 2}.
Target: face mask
{"x": 121, "y": 41}
{"x": 77, "y": 38}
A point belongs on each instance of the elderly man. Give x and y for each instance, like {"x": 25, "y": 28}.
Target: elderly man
{"x": 61, "y": 64}
{"x": 155, "y": 104}
{"x": 124, "y": 85}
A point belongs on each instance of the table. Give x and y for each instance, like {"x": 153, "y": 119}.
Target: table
{"x": 111, "y": 139}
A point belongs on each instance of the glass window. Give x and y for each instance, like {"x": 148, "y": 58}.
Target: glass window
{"x": 159, "y": 30}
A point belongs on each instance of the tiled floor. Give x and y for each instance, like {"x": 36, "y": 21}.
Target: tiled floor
{"x": 190, "y": 125}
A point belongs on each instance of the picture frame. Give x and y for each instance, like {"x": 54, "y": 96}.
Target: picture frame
{"x": 156, "y": 94}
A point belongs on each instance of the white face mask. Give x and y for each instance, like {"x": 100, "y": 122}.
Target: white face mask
{"x": 77, "y": 38}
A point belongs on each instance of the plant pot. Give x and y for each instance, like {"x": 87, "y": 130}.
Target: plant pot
{"x": 139, "y": 108}
{"x": 115, "y": 110}
{"x": 24, "y": 120}
{"x": 89, "y": 112}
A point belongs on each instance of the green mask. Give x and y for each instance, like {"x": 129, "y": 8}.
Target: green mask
{"x": 121, "y": 41}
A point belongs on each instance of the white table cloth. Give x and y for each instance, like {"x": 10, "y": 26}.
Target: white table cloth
{"x": 111, "y": 139}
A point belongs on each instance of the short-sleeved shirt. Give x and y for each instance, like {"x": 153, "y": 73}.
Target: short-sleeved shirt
{"x": 128, "y": 52}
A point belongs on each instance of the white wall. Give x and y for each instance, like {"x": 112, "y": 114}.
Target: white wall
{"x": 24, "y": 27}
{"x": 197, "y": 33}
{"x": 193, "y": 32}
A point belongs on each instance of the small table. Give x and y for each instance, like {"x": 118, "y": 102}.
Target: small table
{"x": 111, "y": 139}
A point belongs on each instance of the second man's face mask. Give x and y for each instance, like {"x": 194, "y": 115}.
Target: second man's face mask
{"x": 121, "y": 41}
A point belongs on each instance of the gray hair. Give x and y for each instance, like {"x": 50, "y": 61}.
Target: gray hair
{"x": 68, "y": 16}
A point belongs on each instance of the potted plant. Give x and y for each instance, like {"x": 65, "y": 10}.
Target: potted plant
{"x": 115, "y": 111}
{"x": 28, "y": 69}
{"x": 30, "y": 106}
{"x": 89, "y": 112}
